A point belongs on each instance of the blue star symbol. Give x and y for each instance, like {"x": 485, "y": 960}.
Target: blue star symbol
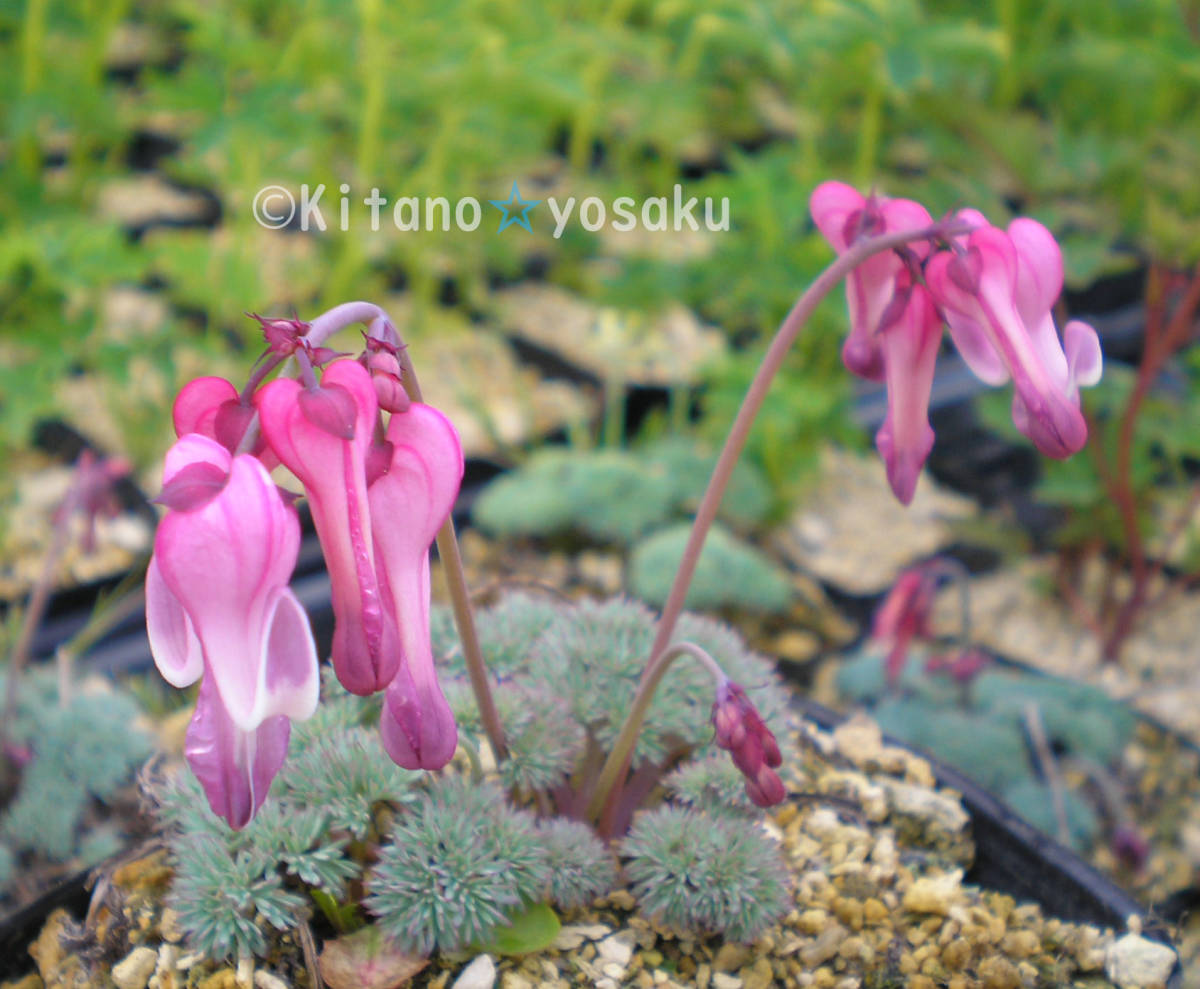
{"x": 515, "y": 209}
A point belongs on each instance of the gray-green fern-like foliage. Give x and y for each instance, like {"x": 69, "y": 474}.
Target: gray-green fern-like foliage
{"x": 456, "y": 868}
{"x": 446, "y": 861}
{"x": 591, "y": 655}
{"x": 82, "y": 754}
{"x": 697, "y": 872}
{"x": 230, "y": 885}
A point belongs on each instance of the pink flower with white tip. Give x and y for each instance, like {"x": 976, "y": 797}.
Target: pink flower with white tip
{"x": 218, "y": 606}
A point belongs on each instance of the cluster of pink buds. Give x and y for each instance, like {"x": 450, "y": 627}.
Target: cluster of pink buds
{"x": 995, "y": 290}
{"x": 218, "y": 603}
{"x": 744, "y": 735}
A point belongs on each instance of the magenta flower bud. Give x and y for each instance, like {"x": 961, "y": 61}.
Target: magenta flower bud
{"x": 218, "y": 605}
{"x": 766, "y": 788}
{"x": 324, "y": 437}
{"x": 389, "y": 388}
{"x": 743, "y": 733}
{"x": 409, "y": 502}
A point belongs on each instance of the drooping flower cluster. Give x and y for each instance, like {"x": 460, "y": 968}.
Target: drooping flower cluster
{"x": 741, "y": 731}
{"x": 995, "y": 290}
{"x": 218, "y": 603}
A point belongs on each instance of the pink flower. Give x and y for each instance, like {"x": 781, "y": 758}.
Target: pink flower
{"x": 410, "y": 501}
{"x": 843, "y": 216}
{"x": 904, "y": 616}
{"x": 324, "y": 436}
{"x": 909, "y": 346}
{"x": 997, "y": 293}
{"x": 218, "y": 605}
{"x": 743, "y": 733}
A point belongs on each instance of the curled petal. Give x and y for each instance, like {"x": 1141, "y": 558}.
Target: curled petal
{"x": 833, "y": 205}
{"x": 173, "y": 642}
{"x": 1042, "y": 408}
{"x": 910, "y": 349}
{"x": 196, "y": 405}
{"x": 1085, "y": 360}
{"x": 234, "y": 766}
{"x": 366, "y": 653}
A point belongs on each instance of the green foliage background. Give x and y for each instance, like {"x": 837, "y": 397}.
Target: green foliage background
{"x": 1086, "y": 116}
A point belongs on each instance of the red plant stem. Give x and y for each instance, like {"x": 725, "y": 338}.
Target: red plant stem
{"x": 1161, "y": 343}
{"x": 39, "y": 598}
{"x": 617, "y": 766}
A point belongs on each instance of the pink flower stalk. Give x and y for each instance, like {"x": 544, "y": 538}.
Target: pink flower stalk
{"x": 218, "y": 606}
{"x": 324, "y": 436}
{"x": 996, "y": 290}
{"x": 410, "y": 501}
{"x": 743, "y": 733}
{"x": 997, "y": 293}
{"x": 903, "y": 617}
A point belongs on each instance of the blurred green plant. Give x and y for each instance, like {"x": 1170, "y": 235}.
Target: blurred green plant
{"x": 1129, "y": 505}
{"x": 1010, "y": 105}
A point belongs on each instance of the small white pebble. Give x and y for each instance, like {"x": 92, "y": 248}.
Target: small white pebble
{"x": 134, "y": 970}
{"x": 480, "y": 974}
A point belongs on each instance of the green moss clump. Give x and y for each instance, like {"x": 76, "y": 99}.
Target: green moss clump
{"x": 730, "y": 573}
{"x": 608, "y": 495}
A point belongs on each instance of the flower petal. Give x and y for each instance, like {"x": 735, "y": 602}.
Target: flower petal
{"x": 416, "y": 725}
{"x": 1042, "y": 408}
{"x": 1085, "y": 360}
{"x": 832, "y": 204}
{"x": 366, "y": 652}
{"x": 173, "y": 642}
{"x": 910, "y": 349}
{"x": 226, "y": 563}
{"x": 409, "y": 504}
{"x": 234, "y": 767}
{"x": 196, "y": 405}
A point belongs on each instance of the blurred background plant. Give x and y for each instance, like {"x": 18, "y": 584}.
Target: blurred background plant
{"x": 137, "y": 135}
